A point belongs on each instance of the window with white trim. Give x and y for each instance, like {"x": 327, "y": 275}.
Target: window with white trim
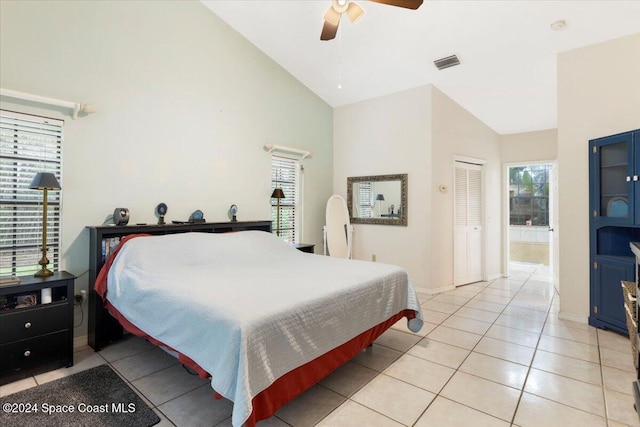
{"x": 365, "y": 197}
{"x": 286, "y": 174}
{"x": 28, "y": 145}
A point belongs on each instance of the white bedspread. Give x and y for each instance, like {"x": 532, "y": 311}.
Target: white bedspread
{"x": 249, "y": 308}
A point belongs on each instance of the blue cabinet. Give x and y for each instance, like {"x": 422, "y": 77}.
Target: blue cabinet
{"x": 614, "y": 203}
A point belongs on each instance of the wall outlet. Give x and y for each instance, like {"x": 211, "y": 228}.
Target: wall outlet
{"x": 80, "y": 297}
{"x": 373, "y": 257}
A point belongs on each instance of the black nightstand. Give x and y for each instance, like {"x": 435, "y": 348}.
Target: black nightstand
{"x": 304, "y": 247}
{"x": 36, "y": 337}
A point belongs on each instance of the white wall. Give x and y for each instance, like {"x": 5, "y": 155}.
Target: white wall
{"x": 457, "y": 132}
{"x": 417, "y": 132}
{"x": 598, "y": 95}
{"x": 529, "y": 146}
{"x": 185, "y": 105}
{"x": 389, "y": 135}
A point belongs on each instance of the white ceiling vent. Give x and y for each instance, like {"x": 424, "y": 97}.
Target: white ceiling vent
{"x": 449, "y": 61}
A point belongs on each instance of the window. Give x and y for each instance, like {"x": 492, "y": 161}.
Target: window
{"x": 28, "y": 144}
{"x": 286, "y": 174}
{"x": 529, "y": 195}
{"x": 365, "y": 197}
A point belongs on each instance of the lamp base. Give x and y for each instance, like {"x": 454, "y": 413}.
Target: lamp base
{"x": 44, "y": 261}
{"x": 44, "y": 272}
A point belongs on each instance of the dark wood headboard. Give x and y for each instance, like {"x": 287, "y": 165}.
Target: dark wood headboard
{"x": 103, "y": 328}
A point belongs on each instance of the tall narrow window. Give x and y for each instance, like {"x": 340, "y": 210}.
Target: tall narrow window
{"x": 285, "y": 174}
{"x": 28, "y": 145}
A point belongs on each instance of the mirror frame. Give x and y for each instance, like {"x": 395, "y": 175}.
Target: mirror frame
{"x": 403, "y": 178}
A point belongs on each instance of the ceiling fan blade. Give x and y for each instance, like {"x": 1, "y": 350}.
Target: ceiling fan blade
{"x": 407, "y": 4}
{"x": 329, "y": 30}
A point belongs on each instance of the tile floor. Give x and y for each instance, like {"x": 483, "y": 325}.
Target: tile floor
{"x": 490, "y": 354}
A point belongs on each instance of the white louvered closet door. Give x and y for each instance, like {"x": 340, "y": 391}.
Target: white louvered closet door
{"x": 467, "y": 246}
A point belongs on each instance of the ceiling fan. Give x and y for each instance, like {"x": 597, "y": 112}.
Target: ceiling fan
{"x": 354, "y": 12}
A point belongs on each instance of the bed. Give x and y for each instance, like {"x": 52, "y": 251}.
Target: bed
{"x": 263, "y": 320}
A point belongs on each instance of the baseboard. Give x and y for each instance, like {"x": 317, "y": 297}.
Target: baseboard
{"x": 573, "y": 317}
{"x": 79, "y": 342}
{"x": 495, "y": 276}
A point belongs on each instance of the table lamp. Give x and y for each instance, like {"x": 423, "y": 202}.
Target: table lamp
{"x": 278, "y": 194}
{"x": 44, "y": 181}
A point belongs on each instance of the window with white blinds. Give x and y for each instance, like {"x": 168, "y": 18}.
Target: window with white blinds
{"x": 285, "y": 174}
{"x": 28, "y": 145}
{"x": 365, "y": 198}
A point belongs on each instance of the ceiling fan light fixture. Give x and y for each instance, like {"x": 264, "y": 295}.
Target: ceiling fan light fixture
{"x": 340, "y": 5}
{"x": 331, "y": 16}
{"x": 354, "y": 12}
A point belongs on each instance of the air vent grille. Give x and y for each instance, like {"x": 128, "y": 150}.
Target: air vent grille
{"x": 449, "y": 61}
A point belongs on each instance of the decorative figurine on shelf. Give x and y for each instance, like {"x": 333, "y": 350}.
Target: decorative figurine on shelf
{"x": 196, "y": 216}
{"x": 161, "y": 211}
{"x": 391, "y": 208}
{"x": 233, "y": 210}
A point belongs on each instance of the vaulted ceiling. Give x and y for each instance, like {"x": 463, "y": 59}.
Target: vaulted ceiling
{"x": 507, "y": 49}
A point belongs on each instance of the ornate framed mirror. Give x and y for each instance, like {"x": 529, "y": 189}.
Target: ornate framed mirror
{"x": 378, "y": 199}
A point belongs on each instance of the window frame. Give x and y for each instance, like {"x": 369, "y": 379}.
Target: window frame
{"x": 293, "y": 234}
{"x": 29, "y": 144}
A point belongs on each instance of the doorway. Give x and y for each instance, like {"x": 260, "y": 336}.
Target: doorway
{"x": 468, "y": 251}
{"x": 531, "y": 238}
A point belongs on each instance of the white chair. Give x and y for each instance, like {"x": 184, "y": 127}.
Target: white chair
{"x": 338, "y": 231}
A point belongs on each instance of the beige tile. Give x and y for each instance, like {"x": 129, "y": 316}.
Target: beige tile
{"x": 486, "y": 396}
{"x": 568, "y": 367}
{"x": 433, "y": 316}
{"x": 463, "y": 291}
{"x": 455, "y": 337}
{"x": 524, "y": 313}
{"x": 348, "y": 378}
{"x": 570, "y": 392}
{"x": 498, "y": 370}
{"x": 142, "y": 364}
{"x": 442, "y": 307}
{"x": 553, "y": 318}
{"x": 381, "y": 395}
{"x": 162, "y": 386}
{"x": 485, "y": 305}
{"x": 420, "y": 373}
{"x": 439, "y": 352}
{"x": 445, "y": 412}
{"x": 377, "y": 357}
{"x": 197, "y": 408}
{"x": 492, "y": 298}
{"x": 618, "y": 380}
{"x": 468, "y": 325}
{"x": 588, "y": 336}
{"x": 401, "y": 325}
{"x": 522, "y": 323}
{"x": 620, "y": 408}
{"x": 535, "y": 411}
{"x": 164, "y": 421}
{"x": 397, "y": 340}
{"x": 542, "y": 306}
{"x": 16, "y": 386}
{"x": 127, "y": 346}
{"x": 505, "y": 350}
{"x": 269, "y": 422}
{"x": 477, "y": 314}
{"x": 515, "y": 336}
{"x": 617, "y": 359}
{"x": 451, "y": 299}
{"x": 570, "y": 348}
{"x": 352, "y": 414}
{"x": 613, "y": 340}
{"x": 310, "y": 407}
{"x": 499, "y": 292}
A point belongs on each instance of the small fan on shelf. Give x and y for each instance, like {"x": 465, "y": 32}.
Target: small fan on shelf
{"x": 354, "y": 12}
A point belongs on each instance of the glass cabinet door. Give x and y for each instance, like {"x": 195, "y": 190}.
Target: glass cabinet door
{"x": 614, "y": 170}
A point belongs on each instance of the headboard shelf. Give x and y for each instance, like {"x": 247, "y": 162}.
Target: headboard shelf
{"x": 102, "y": 327}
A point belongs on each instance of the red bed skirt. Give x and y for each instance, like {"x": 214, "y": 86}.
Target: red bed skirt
{"x": 288, "y": 386}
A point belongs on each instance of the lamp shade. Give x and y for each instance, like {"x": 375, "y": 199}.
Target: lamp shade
{"x": 380, "y": 197}
{"x": 44, "y": 181}
{"x": 277, "y": 194}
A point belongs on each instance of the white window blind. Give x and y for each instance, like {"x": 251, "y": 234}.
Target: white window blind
{"x": 285, "y": 174}
{"x": 365, "y": 195}
{"x": 28, "y": 145}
